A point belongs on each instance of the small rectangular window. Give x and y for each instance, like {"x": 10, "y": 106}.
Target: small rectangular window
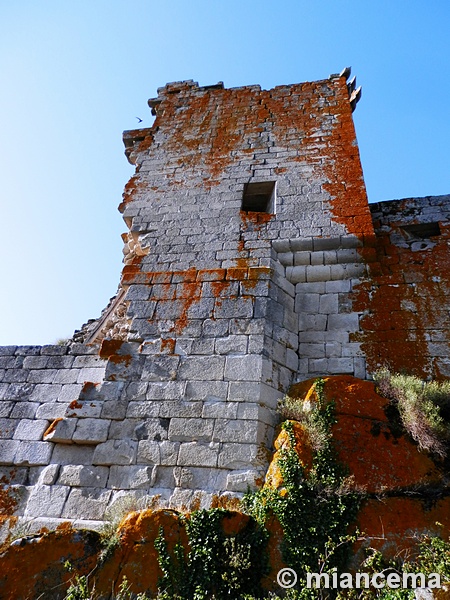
{"x": 421, "y": 231}
{"x": 259, "y": 197}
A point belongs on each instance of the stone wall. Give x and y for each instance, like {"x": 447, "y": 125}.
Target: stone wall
{"x": 404, "y": 304}
{"x": 173, "y": 390}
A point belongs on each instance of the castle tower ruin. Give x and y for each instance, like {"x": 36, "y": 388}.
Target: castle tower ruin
{"x": 251, "y": 262}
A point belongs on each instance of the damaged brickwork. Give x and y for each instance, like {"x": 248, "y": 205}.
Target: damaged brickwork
{"x": 173, "y": 391}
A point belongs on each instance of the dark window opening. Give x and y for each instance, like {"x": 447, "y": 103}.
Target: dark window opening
{"x": 259, "y": 197}
{"x": 421, "y": 231}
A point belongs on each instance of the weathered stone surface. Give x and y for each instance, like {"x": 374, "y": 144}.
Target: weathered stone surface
{"x": 91, "y": 431}
{"x": 86, "y": 501}
{"x": 33, "y": 453}
{"x": 83, "y": 476}
{"x": 220, "y": 308}
{"x": 29, "y": 429}
{"x": 61, "y": 431}
{"x": 132, "y": 477}
{"x": 181, "y": 430}
{"x": 47, "y": 501}
{"x": 196, "y": 454}
{"x": 115, "y": 452}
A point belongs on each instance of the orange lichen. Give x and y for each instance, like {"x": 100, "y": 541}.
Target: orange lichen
{"x": 75, "y": 404}
{"x": 51, "y": 428}
{"x": 168, "y": 345}
{"x": 234, "y": 522}
{"x": 303, "y": 448}
{"x": 377, "y": 455}
{"x": 394, "y": 525}
{"x": 137, "y": 533}
{"x": 274, "y": 553}
{"x": 405, "y": 322}
{"x": 8, "y": 501}
{"x": 111, "y": 350}
{"x": 35, "y": 568}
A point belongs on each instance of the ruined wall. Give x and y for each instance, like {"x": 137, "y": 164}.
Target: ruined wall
{"x": 404, "y": 304}
{"x": 221, "y": 306}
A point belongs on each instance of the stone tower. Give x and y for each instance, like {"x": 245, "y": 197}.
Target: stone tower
{"x": 250, "y": 238}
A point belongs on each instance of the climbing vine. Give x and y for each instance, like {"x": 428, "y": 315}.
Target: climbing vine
{"x": 315, "y": 509}
{"x": 217, "y": 565}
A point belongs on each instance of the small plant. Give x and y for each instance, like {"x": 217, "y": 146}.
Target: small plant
{"x": 424, "y": 408}
{"x": 306, "y": 413}
{"x": 217, "y": 565}
{"x": 114, "y": 515}
{"x": 316, "y": 509}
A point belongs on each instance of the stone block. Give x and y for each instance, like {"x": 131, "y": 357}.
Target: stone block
{"x": 45, "y": 393}
{"x": 213, "y": 328}
{"x": 141, "y": 409}
{"x": 149, "y": 452}
{"x": 201, "y": 478}
{"x": 197, "y": 454}
{"x": 333, "y": 350}
{"x": 35, "y": 362}
{"x": 91, "y": 375}
{"x": 46, "y": 501}
{"x": 24, "y": 410}
{"x": 48, "y": 475}
{"x": 291, "y": 359}
{"x": 182, "y": 430}
{"x": 61, "y": 431}
{"x": 171, "y": 409}
{"x": 91, "y": 431}
{"x": 84, "y": 409}
{"x": 70, "y": 454}
{"x": 340, "y": 365}
{"x": 328, "y": 304}
{"x": 7, "y": 428}
{"x": 347, "y": 322}
{"x": 235, "y": 430}
{"x": 244, "y": 481}
{"x": 167, "y": 390}
{"x": 115, "y": 452}
{"x": 243, "y": 368}
{"x": 318, "y": 273}
{"x": 30, "y": 429}
{"x": 5, "y": 408}
{"x": 233, "y": 308}
{"x": 238, "y": 456}
{"x": 338, "y": 286}
{"x": 233, "y": 344}
{"x": 70, "y": 392}
{"x": 83, "y": 476}
{"x": 221, "y": 409}
{"x": 132, "y": 477}
{"x": 114, "y": 409}
{"x": 33, "y": 454}
{"x": 206, "y": 390}
{"x": 66, "y": 376}
{"x": 201, "y": 368}
{"x": 311, "y": 350}
{"x": 86, "y": 501}
{"x": 244, "y": 391}
{"x": 8, "y": 450}
{"x": 41, "y": 376}
{"x": 296, "y": 274}
{"x": 160, "y": 368}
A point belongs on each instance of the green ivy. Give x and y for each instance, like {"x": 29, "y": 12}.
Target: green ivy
{"x": 217, "y": 565}
{"x": 316, "y": 510}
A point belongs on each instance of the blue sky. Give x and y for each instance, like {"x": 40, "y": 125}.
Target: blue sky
{"x": 76, "y": 73}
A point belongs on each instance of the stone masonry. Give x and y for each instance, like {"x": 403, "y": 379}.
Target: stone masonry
{"x": 253, "y": 260}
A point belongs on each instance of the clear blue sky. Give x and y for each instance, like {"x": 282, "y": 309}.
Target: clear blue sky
{"x": 76, "y": 73}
